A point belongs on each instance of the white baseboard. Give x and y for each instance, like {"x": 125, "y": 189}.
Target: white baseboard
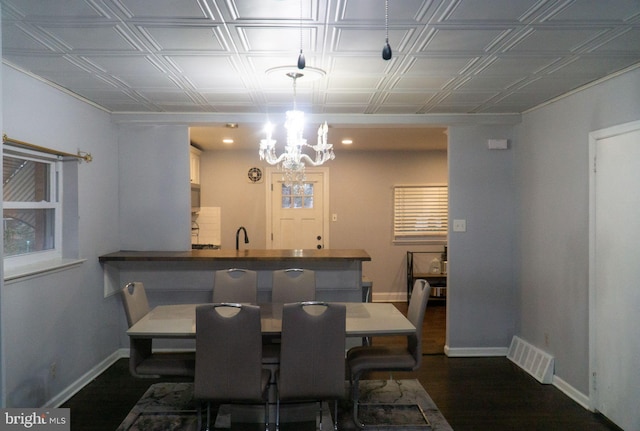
{"x": 87, "y": 377}
{"x": 572, "y": 392}
{"x": 389, "y": 297}
{"x": 461, "y": 352}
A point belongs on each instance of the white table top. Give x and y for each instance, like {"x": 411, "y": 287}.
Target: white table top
{"x": 363, "y": 320}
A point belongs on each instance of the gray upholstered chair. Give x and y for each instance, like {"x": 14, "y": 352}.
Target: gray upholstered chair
{"x": 312, "y": 361}
{"x": 229, "y": 357}
{"x": 288, "y": 285}
{"x": 143, "y": 361}
{"x": 293, "y": 285}
{"x": 235, "y": 285}
{"x": 390, "y": 358}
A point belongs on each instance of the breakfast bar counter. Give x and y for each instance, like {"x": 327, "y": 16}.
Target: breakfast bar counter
{"x": 187, "y": 276}
{"x": 299, "y": 256}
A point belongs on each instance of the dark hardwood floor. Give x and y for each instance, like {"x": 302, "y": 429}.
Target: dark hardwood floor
{"x": 489, "y": 394}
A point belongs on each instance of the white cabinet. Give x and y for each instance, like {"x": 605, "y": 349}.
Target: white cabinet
{"x": 194, "y": 164}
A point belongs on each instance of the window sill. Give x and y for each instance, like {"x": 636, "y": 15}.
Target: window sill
{"x": 37, "y": 269}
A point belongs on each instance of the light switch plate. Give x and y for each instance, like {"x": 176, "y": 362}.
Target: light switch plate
{"x": 459, "y": 225}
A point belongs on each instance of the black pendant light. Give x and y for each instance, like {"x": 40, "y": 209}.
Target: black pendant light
{"x": 301, "y": 61}
{"x": 386, "y": 49}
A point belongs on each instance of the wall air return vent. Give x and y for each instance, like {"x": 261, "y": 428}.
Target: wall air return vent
{"x": 531, "y": 359}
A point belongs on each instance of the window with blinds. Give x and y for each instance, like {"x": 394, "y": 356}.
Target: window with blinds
{"x": 420, "y": 212}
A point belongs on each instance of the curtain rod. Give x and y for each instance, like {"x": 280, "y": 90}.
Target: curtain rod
{"x": 81, "y": 155}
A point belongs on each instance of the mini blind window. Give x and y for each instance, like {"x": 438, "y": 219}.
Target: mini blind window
{"x": 420, "y": 211}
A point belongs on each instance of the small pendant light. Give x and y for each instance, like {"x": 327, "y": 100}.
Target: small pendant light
{"x": 301, "y": 61}
{"x": 386, "y": 49}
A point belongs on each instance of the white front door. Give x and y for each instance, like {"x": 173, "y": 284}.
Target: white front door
{"x": 297, "y": 212}
{"x": 615, "y": 276}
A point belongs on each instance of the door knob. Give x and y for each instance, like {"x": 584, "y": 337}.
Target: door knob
{"x": 319, "y": 247}
{"x": 318, "y": 237}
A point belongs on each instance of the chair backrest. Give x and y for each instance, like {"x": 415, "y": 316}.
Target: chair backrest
{"x": 235, "y": 285}
{"x": 134, "y": 298}
{"x": 312, "y": 352}
{"x": 415, "y": 314}
{"x": 293, "y": 285}
{"x": 228, "y": 352}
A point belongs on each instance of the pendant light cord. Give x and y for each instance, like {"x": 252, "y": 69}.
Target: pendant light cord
{"x": 301, "y": 60}
{"x": 386, "y": 49}
{"x": 386, "y": 20}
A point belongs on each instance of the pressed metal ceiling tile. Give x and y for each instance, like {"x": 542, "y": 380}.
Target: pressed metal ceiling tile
{"x": 439, "y": 66}
{"x": 347, "y": 82}
{"x": 185, "y": 39}
{"x": 211, "y": 56}
{"x": 462, "y": 40}
{"x": 275, "y": 39}
{"x": 124, "y": 64}
{"x": 497, "y": 10}
{"x": 59, "y": 8}
{"x": 289, "y": 10}
{"x": 434, "y": 83}
{"x": 373, "y": 10}
{"x": 623, "y": 42}
{"x": 95, "y": 38}
{"x": 511, "y": 66}
{"x": 14, "y": 38}
{"x": 550, "y": 40}
{"x": 166, "y": 9}
{"x": 595, "y": 11}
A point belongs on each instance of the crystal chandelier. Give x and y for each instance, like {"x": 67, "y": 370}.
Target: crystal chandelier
{"x": 292, "y": 160}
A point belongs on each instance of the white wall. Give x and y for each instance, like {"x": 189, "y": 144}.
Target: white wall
{"x": 553, "y": 183}
{"x": 62, "y": 317}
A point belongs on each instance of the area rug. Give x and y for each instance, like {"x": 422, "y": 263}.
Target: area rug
{"x": 385, "y": 405}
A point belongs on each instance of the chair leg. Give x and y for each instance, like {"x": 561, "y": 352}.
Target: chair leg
{"x": 335, "y": 415}
{"x": 199, "y": 416}
{"x": 208, "y": 415}
{"x": 278, "y": 413}
{"x": 320, "y": 408}
{"x": 266, "y": 416}
{"x": 355, "y": 397}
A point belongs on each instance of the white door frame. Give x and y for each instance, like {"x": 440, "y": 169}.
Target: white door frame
{"x": 271, "y": 171}
{"x": 594, "y": 137}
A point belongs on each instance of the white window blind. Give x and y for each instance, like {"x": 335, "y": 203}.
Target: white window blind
{"x": 420, "y": 211}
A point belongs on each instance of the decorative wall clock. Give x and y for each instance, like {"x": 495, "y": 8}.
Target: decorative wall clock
{"x": 255, "y": 174}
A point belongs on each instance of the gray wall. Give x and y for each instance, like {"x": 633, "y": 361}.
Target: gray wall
{"x": 155, "y": 206}
{"x": 61, "y": 317}
{"x": 481, "y": 285}
{"x": 553, "y": 183}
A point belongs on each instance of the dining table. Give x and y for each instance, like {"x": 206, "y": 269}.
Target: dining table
{"x": 178, "y": 321}
{"x": 363, "y": 319}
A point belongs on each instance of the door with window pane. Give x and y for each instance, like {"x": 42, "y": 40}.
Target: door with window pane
{"x": 298, "y": 213}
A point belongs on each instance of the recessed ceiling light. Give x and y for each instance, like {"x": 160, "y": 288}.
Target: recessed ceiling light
{"x": 227, "y": 141}
{"x": 347, "y": 141}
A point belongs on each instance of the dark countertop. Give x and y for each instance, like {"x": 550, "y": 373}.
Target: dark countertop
{"x": 256, "y": 255}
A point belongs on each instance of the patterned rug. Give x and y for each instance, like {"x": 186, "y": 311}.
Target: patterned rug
{"x": 385, "y": 405}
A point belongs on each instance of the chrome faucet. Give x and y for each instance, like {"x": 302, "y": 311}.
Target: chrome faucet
{"x": 246, "y": 238}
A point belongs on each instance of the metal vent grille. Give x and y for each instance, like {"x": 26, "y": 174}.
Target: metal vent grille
{"x": 531, "y": 359}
